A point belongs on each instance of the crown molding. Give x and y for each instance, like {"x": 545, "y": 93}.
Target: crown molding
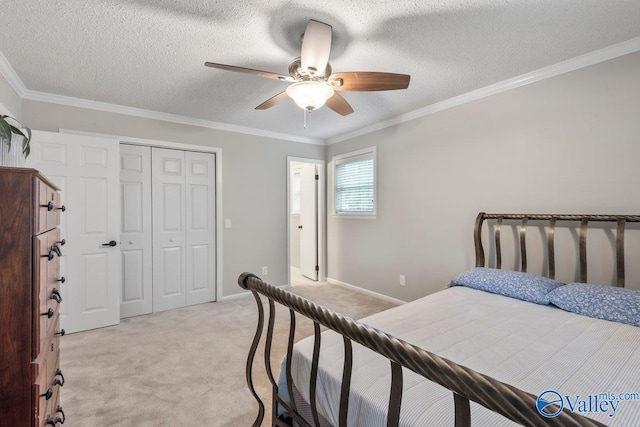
{"x": 591, "y": 58}
{"x": 19, "y": 87}
{"x": 595, "y": 57}
{"x": 12, "y": 77}
{"x": 156, "y": 115}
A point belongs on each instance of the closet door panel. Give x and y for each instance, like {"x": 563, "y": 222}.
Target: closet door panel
{"x": 136, "y": 234}
{"x": 200, "y": 227}
{"x": 169, "y": 207}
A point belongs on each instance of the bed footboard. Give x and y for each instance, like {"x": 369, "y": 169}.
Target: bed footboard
{"x": 465, "y": 384}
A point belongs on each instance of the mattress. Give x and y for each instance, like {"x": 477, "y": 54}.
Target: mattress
{"x": 533, "y": 347}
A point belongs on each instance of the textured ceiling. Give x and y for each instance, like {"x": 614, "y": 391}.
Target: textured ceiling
{"x": 150, "y": 54}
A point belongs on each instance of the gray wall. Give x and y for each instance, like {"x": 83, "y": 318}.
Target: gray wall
{"x": 254, "y": 172}
{"x": 294, "y": 233}
{"x": 569, "y": 144}
{"x": 9, "y": 99}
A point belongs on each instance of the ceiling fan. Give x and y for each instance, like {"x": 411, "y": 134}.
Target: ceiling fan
{"x": 312, "y": 82}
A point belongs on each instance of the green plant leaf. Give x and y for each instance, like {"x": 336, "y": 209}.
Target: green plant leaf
{"x": 5, "y": 132}
{"x": 26, "y": 147}
{"x": 17, "y": 131}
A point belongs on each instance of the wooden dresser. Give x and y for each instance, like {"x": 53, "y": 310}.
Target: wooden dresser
{"x": 30, "y": 250}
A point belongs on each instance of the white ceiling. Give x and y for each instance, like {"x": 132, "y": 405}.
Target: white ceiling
{"x": 149, "y": 54}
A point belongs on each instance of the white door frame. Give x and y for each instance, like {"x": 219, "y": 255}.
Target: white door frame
{"x": 322, "y": 182}
{"x": 187, "y": 147}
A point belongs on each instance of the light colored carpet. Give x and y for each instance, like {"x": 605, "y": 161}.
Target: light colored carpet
{"x": 183, "y": 367}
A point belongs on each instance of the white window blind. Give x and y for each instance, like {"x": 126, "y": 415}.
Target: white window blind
{"x": 355, "y": 184}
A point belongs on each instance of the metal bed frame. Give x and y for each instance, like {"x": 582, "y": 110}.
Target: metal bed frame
{"x": 465, "y": 384}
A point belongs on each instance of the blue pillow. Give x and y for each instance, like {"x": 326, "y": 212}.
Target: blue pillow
{"x": 514, "y": 284}
{"x": 599, "y": 301}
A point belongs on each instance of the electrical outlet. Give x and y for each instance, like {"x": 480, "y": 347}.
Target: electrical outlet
{"x": 402, "y": 280}
{"x": 265, "y": 271}
{"x": 227, "y": 223}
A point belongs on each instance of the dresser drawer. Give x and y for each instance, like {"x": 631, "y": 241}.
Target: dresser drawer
{"x": 48, "y": 209}
{"x": 48, "y": 380}
{"x": 49, "y": 411}
{"x": 47, "y": 288}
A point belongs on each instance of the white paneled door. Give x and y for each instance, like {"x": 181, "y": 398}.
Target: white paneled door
{"x": 87, "y": 170}
{"x": 183, "y": 199}
{"x": 136, "y": 234}
{"x": 309, "y": 221}
{"x": 169, "y": 239}
{"x": 200, "y": 227}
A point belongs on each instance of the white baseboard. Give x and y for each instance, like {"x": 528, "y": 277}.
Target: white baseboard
{"x": 247, "y": 293}
{"x": 365, "y": 291}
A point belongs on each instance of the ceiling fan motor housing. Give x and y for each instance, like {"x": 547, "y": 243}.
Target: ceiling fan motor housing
{"x": 301, "y": 74}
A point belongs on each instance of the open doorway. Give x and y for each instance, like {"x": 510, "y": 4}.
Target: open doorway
{"x": 306, "y": 220}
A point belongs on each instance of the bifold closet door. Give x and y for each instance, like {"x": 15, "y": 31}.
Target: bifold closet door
{"x": 169, "y": 236}
{"x": 168, "y": 229}
{"x": 135, "y": 238}
{"x": 200, "y": 227}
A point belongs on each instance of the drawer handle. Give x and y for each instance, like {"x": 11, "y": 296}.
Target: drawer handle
{"x": 62, "y": 242}
{"x": 59, "y": 373}
{"x": 59, "y": 410}
{"x": 63, "y": 208}
{"x": 56, "y": 249}
{"x": 49, "y": 256}
{"x": 49, "y": 206}
{"x": 48, "y": 394}
{"x": 61, "y": 333}
{"x": 55, "y": 295}
{"x": 53, "y": 421}
{"x": 49, "y": 313}
{"x": 62, "y": 279}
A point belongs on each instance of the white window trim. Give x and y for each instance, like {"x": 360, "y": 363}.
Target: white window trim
{"x": 353, "y": 155}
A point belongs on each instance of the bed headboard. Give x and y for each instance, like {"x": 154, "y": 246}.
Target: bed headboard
{"x": 584, "y": 221}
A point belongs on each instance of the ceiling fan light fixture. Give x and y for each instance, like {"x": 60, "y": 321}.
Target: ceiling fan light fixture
{"x": 310, "y": 95}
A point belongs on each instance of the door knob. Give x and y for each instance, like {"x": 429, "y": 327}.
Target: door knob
{"x": 62, "y": 208}
{"x": 111, "y": 243}
{"x": 300, "y": 227}
{"x": 62, "y": 242}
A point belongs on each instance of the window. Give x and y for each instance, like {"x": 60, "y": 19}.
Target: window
{"x": 354, "y": 183}
{"x": 295, "y": 199}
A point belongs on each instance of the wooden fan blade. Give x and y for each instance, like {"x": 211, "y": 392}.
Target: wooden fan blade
{"x": 338, "y": 104}
{"x": 260, "y": 73}
{"x": 316, "y": 46}
{"x": 276, "y": 99}
{"x": 368, "y": 81}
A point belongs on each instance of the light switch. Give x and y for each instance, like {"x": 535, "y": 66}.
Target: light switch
{"x": 227, "y": 223}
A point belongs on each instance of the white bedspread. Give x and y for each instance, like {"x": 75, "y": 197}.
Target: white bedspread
{"x": 530, "y": 346}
